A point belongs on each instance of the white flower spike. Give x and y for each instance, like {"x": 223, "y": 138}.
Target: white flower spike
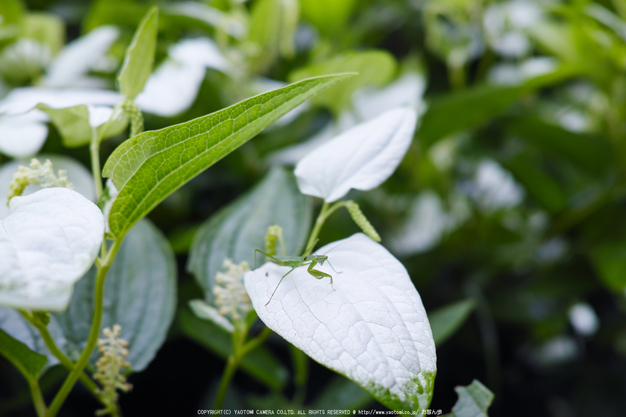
{"x": 372, "y": 327}
{"x": 47, "y": 243}
{"x": 361, "y": 158}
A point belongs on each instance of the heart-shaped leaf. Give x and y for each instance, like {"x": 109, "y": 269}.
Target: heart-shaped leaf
{"x": 47, "y": 243}
{"x": 150, "y": 166}
{"x": 139, "y": 295}
{"x": 370, "y": 325}
{"x": 240, "y": 228}
{"x": 360, "y": 158}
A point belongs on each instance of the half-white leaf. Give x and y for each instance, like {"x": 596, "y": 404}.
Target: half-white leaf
{"x": 361, "y": 158}
{"x": 372, "y": 327}
{"x": 47, "y": 243}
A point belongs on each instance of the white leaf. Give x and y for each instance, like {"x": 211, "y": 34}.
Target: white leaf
{"x": 22, "y": 100}
{"x": 77, "y": 174}
{"x": 21, "y": 136}
{"x": 47, "y": 243}
{"x": 406, "y": 90}
{"x": 372, "y": 327}
{"x": 360, "y": 158}
{"x": 77, "y": 58}
{"x": 171, "y": 89}
{"x": 202, "y": 52}
{"x": 206, "y": 311}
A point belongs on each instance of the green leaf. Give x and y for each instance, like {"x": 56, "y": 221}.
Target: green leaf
{"x": 538, "y": 183}
{"x": 74, "y": 128}
{"x": 29, "y": 363}
{"x": 342, "y": 393}
{"x": 258, "y": 363}
{"x": 445, "y": 321}
{"x": 139, "y": 58}
{"x": 590, "y": 152}
{"x": 149, "y": 167}
{"x": 239, "y": 228}
{"x": 470, "y": 108}
{"x": 474, "y": 400}
{"x": 16, "y": 326}
{"x": 374, "y": 68}
{"x": 12, "y": 11}
{"x": 273, "y": 25}
{"x": 72, "y": 124}
{"x": 609, "y": 260}
{"x": 329, "y": 16}
{"x": 139, "y": 295}
{"x": 46, "y": 28}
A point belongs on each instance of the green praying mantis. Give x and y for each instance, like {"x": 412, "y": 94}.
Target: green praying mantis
{"x": 297, "y": 261}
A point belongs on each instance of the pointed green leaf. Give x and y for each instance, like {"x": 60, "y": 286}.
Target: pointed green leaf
{"x": 258, "y": 363}
{"x": 474, "y": 400}
{"x": 74, "y": 127}
{"x": 329, "y": 16}
{"x": 470, "y": 108}
{"x": 448, "y": 319}
{"x": 240, "y": 228}
{"x": 374, "y": 68}
{"x": 152, "y": 165}
{"x": 72, "y": 124}
{"x": 139, "y": 295}
{"x": 29, "y": 363}
{"x": 139, "y": 58}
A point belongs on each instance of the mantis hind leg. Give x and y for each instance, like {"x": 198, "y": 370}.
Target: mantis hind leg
{"x": 279, "y": 282}
{"x": 276, "y": 260}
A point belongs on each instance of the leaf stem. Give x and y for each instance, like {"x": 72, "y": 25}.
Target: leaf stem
{"x": 326, "y": 211}
{"x": 240, "y": 349}
{"x": 38, "y": 401}
{"x": 54, "y": 349}
{"x": 94, "y": 148}
{"x": 103, "y": 268}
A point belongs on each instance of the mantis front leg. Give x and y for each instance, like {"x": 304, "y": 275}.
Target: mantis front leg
{"x": 317, "y": 274}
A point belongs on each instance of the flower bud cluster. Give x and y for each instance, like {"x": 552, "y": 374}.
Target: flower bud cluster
{"x": 231, "y": 298}
{"x": 38, "y": 174}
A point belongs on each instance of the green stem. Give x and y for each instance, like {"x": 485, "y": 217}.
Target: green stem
{"x": 38, "y": 401}
{"x": 301, "y": 374}
{"x": 227, "y": 376}
{"x": 94, "y": 147}
{"x": 256, "y": 342}
{"x": 65, "y": 361}
{"x": 103, "y": 268}
{"x": 319, "y": 222}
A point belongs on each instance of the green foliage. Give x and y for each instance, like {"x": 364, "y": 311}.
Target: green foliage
{"x": 272, "y": 28}
{"x": 139, "y": 58}
{"x": 46, "y": 28}
{"x": 29, "y": 363}
{"x": 446, "y": 320}
{"x": 145, "y": 171}
{"x": 328, "y": 15}
{"x": 373, "y": 68}
{"x": 474, "y": 400}
{"x": 140, "y": 295}
{"x": 240, "y": 228}
{"x": 259, "y": 363}
{"x": 74, "y": 127}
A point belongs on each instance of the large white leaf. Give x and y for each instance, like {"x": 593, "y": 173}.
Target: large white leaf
{"x": 372, "y": 327}
{"x": 77, "y": 174}
{"x": 47, "y": 243}
{"x": 79, "y": 56}
{"x": 22, "y": 127}
{"x": 360, "y": 158}
{"x": 173, "y": 87}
